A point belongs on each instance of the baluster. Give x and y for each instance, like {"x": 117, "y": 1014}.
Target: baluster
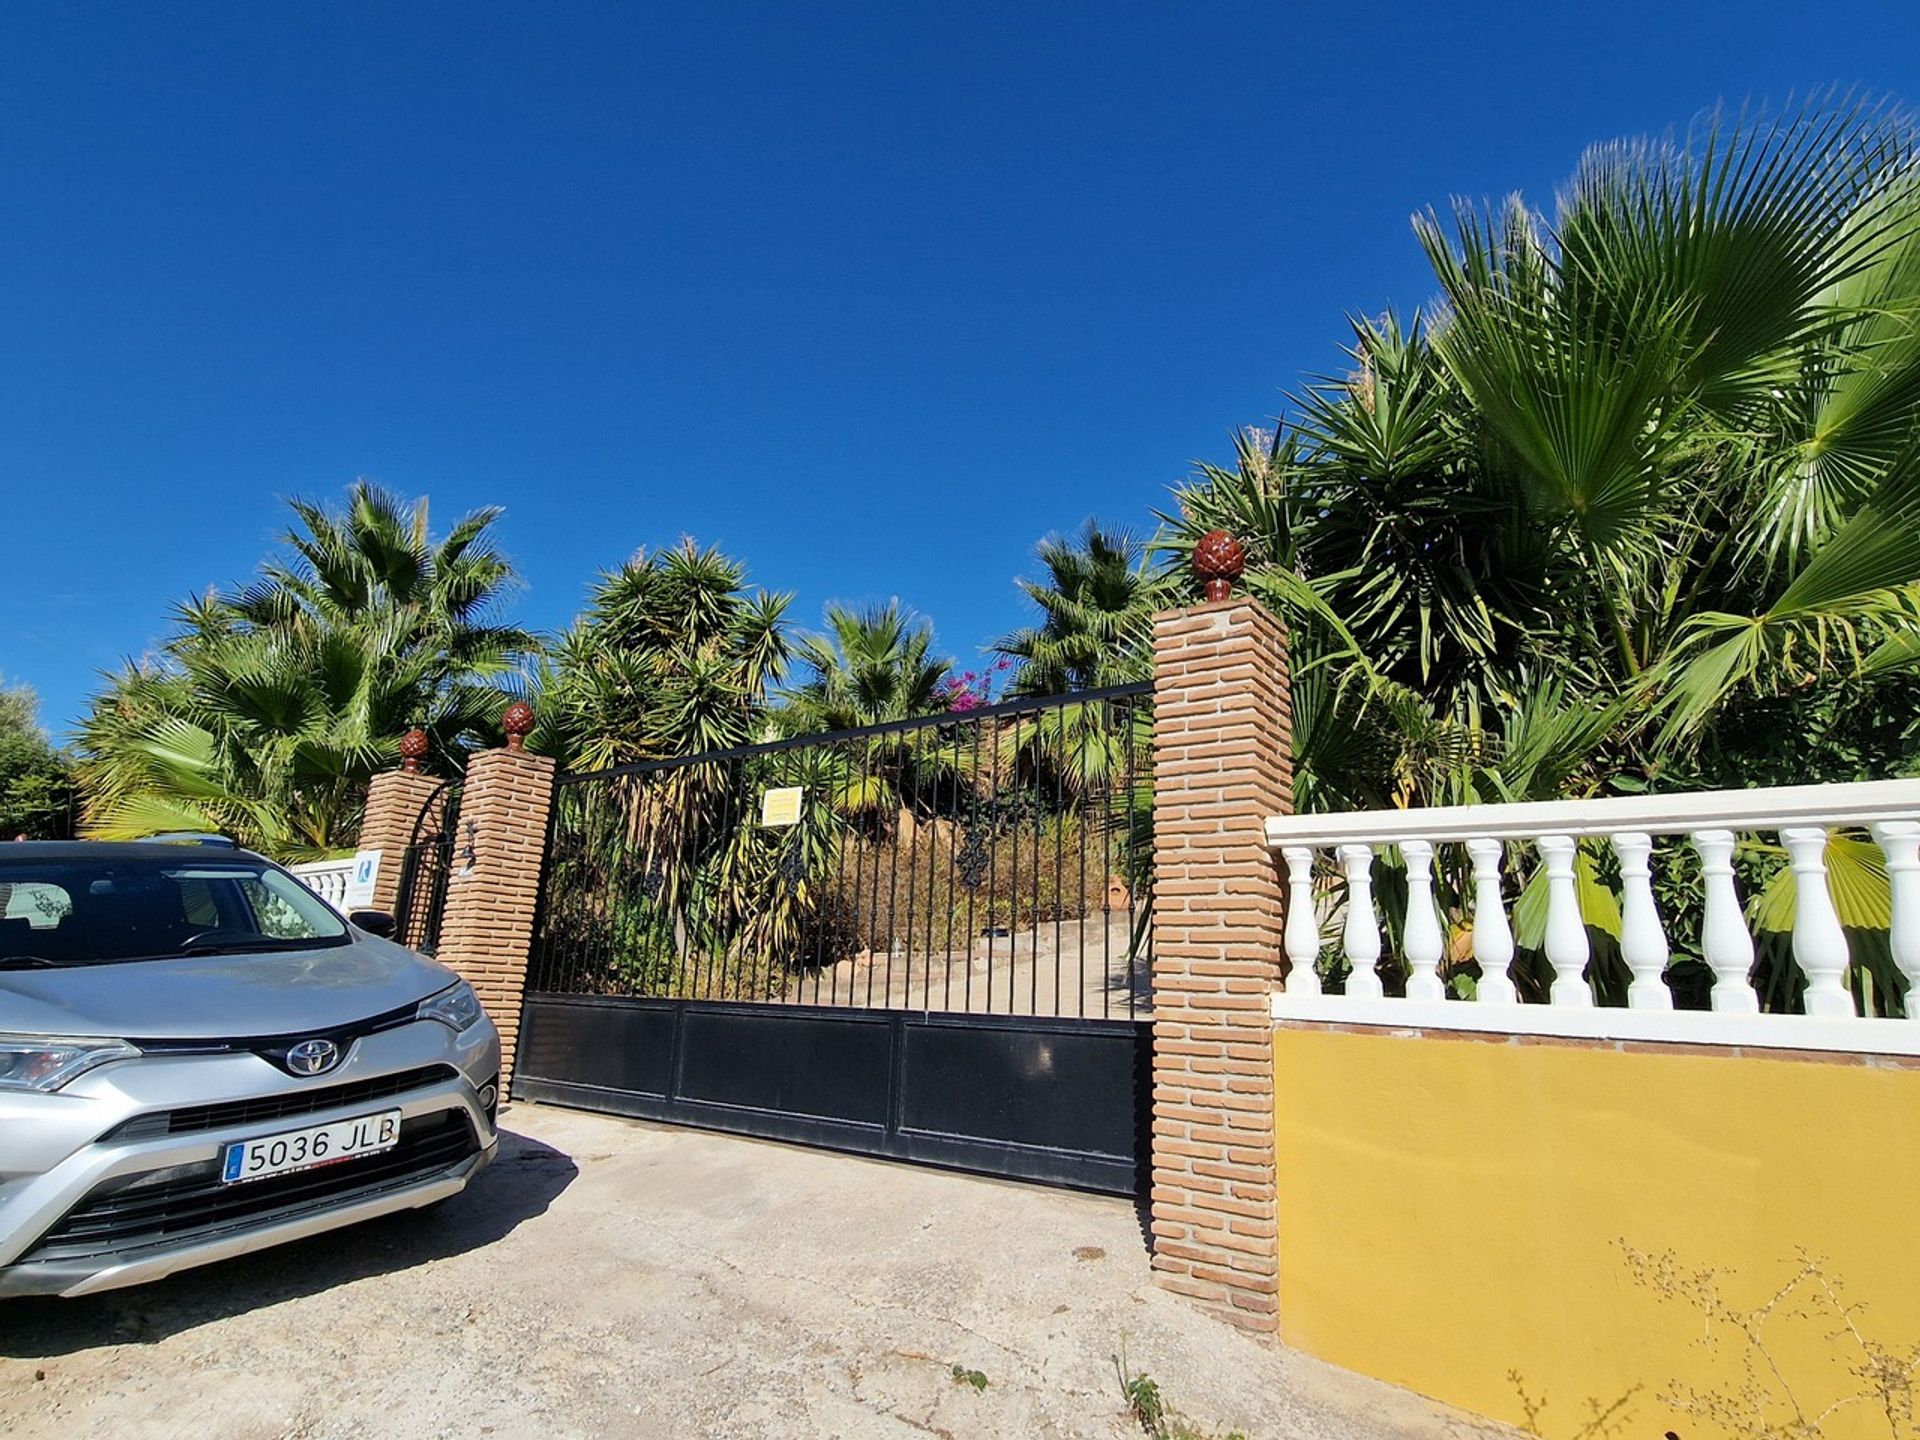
{"x": 1899, "y": 840}
{"x": 1566, "y": 931}
{"x": 1421, "y": 941}
{"x": 1643, "y": 939}
{"x": 1819, "y": 944}
{"x": 1492, "y": 936}
{"x": 1302, "y": 935}
{"x": 1724, "y": 938}
{"x": 1361, "y": 937}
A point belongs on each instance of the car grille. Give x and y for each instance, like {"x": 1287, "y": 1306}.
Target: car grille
{"x": 122, "y": 1216}
{"x": 190, "y": 1118}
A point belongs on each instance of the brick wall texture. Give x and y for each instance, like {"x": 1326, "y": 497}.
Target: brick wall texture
{"x": 486, "y": 932}
{"x": 394, "y": 800}
{"x": 1222, "y": 764}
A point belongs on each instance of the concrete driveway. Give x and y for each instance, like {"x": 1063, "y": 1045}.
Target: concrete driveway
{"x": 610, "y": 1278}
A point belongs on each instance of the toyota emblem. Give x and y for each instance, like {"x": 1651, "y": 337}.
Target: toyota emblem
{"x": 312, "y": 1057}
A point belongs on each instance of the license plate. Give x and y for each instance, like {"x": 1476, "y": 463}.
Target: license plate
{"x": 304, "y": 1149}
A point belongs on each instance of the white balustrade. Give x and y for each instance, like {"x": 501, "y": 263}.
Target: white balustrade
{"x": 1899, "y": 840}
{"x": 1361, "y": 937}
{"x": 1421, "y": 940}
{"x": 1725, "y": 943}
{"x": 1819, "y": 944}
{"x": 1492, "y": 936}
{"x": 326, "y": 878}
{"x": 1643, "y": 939}
{"x": 1454, "y": 858}
{"x": 1302, "y": 937}
{"x": 1566, "y": 945}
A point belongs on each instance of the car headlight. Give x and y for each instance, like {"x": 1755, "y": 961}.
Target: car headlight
{"x": 455, "y": 1007}
{"x": 46, "y": 1062}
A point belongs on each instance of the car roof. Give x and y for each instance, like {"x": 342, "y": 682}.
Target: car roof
{"x": 103, "y": 850}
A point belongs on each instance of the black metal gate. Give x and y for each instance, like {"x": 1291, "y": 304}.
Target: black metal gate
{"x": 926, "y": 940}
{"x": 425, "y": 869}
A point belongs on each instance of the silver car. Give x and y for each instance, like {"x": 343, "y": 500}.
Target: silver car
{"x": 200, "y": 1058}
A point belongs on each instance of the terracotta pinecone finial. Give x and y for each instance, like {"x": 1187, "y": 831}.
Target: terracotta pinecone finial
{"x": 1219, "y": 560}
{"x": 518, "y": 723}
{"x": 413, "y": 749}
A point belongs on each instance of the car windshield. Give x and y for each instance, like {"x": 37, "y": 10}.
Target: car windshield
{"x": 65, "y": 911}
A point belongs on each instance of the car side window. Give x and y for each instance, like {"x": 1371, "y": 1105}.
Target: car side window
{"x": 41, "y": 904}
{"x": 275, "y": 918}
{"x": 196, "y": 899}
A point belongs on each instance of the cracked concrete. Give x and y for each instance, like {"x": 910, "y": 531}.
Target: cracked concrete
{"x": 613, "y": 1279}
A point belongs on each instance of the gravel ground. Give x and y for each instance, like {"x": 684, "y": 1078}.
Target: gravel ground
{"x": 610, "y": 1278}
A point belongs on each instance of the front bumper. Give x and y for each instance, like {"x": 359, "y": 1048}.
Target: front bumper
{"x": 113, "y": 1181}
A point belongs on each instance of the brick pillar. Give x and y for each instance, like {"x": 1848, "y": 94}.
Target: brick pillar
{"x": 1223, "y": 762}
{"x": 394, "y": 800}
{"x": 486, "y": 932}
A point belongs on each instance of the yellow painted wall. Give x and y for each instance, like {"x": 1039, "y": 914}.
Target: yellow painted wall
{"x": 1450, "y": 1210}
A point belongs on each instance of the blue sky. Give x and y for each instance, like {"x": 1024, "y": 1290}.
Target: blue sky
{"x": 874, "y": 295}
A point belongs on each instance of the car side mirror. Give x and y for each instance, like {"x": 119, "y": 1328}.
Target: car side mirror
{"x": 374, "y": 922}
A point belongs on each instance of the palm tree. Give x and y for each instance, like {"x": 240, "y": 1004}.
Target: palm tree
{"x": 1096, "y": 606}
{"x": 269, "y": 709}
{"x": 1650, "y": 468}
{"x": 870, "y": 666}
{"x": 1660, "y": 451}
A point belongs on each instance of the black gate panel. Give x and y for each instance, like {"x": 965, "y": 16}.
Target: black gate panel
{"x": 829, "y": 1066}
{"x": 608, "y": 1046}
{"x": 1025, "y": 1082}
{"x": 1051, "y": 1100}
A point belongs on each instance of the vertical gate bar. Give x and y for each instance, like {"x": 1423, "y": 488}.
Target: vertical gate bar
{"x": 1113, "y": 768}
{"x": 695, "y": 839}
{"x": 578, "y": 972}
{"x": 844, "y": 852}
{"x": 993, "y": 865}
{"x": 1039, "y": 844}
{"x": 560, "y": 919}
{"x": 1126, "y": 841}
{"x": 657, "y": 880}
{"x": 1083, "y": 830}
{"x": 610, "y": 801}
{"x": 723, "y": 968}
{"x": 562, "y": 908}
{"x": 579, "y": 826}
{"x": 904, "y": 817}
{"x": 913, "y": 877}
{"x": 973, "y": 805}
{"x": 614, "y": 800}
{"x": 854, "y": 845}
{"x": 873, "y": 895}
{"x": 1059, "y": 858}
{"x": 831, "y": 892}
{"x": 954, "y": 776}
{"x": 706, "y": 962}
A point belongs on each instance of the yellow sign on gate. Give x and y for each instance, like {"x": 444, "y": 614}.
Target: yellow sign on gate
{"x": 780, "y": 808}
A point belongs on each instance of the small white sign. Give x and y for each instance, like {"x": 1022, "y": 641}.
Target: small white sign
{"x": 781, "y": 808}
{"x": 366, "y": 871}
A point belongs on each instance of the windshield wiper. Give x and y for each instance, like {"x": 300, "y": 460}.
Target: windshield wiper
{"x": 27, "y": 962}
{"x": 245, "y": 947}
